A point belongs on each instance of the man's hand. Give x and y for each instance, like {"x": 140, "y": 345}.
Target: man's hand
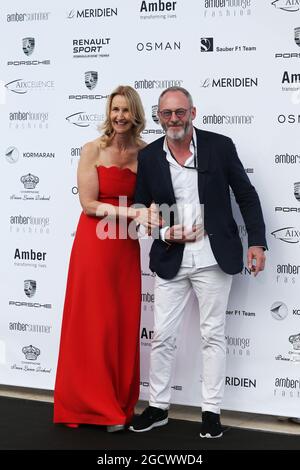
{"x": 256, "y": 259}
{"x": 180, "y": 234}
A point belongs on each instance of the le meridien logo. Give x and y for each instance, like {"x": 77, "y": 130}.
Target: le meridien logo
{"x": 230, "y": 82}
{"x": 92, "y": 13}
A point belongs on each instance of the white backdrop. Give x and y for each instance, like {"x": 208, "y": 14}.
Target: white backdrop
{"x": 239, "y": 59}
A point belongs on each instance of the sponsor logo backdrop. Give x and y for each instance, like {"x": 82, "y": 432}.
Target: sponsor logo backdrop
{"x": 59, "y": 64}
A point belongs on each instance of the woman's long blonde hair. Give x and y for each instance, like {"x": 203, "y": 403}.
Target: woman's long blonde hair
{"x": 135, "y": 108}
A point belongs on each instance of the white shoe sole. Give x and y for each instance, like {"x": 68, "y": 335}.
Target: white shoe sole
{"x": 154, "y": 425}
{"x": 208, "y": 436}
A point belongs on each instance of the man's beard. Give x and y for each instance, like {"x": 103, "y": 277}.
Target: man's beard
{"x": 178, "y": 133}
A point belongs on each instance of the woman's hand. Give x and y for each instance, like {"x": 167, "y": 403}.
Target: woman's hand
{"x": 148, "y": 217}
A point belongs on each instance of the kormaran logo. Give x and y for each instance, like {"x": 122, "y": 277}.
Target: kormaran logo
{"x": 297, "y": 191}
{"x": 31, "y": 353}
{"x": 279, "y": 310}
{"x": 287, "y": 234}
{"x": 91, "y": 79}
{"x": 287, "y": 5}
{"x": 206, "y": 44}
{"x": 28, "y": 45}
{"x": 297, "y": 36}
{"x": 12, "y": 154}
{"x": 30, "y": 287}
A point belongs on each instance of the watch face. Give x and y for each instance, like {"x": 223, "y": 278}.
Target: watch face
{"x": 279, "y": 310}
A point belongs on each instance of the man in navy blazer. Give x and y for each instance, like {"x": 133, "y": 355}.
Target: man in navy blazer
{"x": 188, "y": 175}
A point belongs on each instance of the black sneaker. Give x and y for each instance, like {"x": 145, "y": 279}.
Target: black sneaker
{"x": 151, "y": 417}
{"x": 211, "y": 425}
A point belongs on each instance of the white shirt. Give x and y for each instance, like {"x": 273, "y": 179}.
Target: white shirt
{"x": 190, "y": 212}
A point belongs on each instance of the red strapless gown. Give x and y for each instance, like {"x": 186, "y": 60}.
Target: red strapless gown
{"x": 97, "y": 379}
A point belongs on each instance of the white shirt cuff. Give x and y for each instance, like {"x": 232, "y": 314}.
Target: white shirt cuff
{"x": 162, "y": 233}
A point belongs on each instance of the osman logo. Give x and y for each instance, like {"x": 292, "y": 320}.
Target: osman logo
{"x": 28, "y": 45}
{"x": 287, "y": 5}
{"x": 287, "y": 234}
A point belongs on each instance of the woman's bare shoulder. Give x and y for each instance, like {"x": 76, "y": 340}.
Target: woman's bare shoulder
{"x": 90, "y": 151}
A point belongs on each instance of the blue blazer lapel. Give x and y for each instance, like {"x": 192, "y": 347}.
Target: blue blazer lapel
{"x": 203, "y": 154}
{"x": 165, "y": 170}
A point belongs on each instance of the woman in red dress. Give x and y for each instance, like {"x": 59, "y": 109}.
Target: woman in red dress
{"x": 97, "y": 379}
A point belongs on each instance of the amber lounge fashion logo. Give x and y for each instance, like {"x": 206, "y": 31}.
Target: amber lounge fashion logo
{"x": 287, "y": 5}
{"x": 226, "y": 8}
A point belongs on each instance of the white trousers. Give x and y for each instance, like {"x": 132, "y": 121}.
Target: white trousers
{"x": 211, "y": 286}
